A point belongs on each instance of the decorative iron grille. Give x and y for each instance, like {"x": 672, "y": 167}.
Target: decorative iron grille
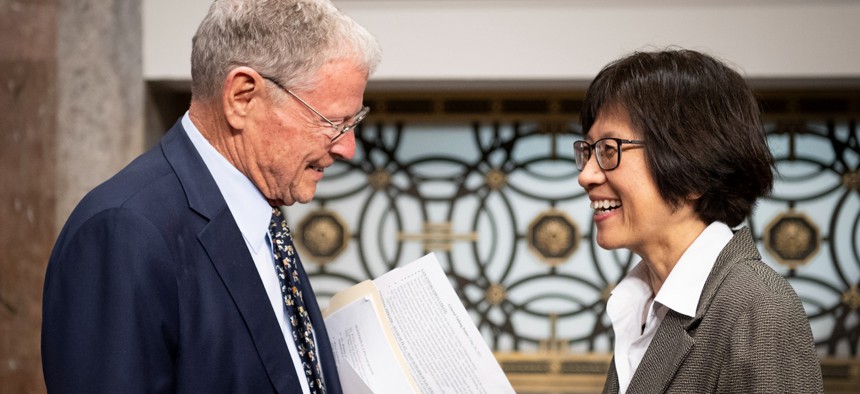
{"x": 488, "y": 183}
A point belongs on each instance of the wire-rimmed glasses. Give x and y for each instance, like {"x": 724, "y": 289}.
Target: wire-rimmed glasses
{"x": 339, "y": 130}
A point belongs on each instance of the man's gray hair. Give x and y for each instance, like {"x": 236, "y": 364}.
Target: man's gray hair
{"x": 286, "y": 39}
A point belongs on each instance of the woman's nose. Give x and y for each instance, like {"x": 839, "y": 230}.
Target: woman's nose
{"x": 591, "y": 173}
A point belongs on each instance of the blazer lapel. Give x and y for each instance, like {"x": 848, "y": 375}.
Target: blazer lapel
{"x": 676, "y": 335}
{"x": 611, "y": 385}
{"x": 223, "y": 243}
{"x": 670, "y": 346}
{"x": 226, "y": 248}
{"x": 741, "y": 247}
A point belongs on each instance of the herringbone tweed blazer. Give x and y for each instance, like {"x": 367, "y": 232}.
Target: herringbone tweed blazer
{"x": 750, "y": 335}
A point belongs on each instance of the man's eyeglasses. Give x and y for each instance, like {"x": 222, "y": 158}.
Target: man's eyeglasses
{"x": 608, "y": 152}
{"x": 339, "y": 130}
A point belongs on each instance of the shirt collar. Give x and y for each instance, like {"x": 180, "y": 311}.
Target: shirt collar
{"x": 250, "y": 209}
{"x": 629, "y": 297}
{"x": 635, "y": 283}
{"x": 683, "y": 287}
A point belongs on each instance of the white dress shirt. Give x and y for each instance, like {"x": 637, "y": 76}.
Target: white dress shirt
{"x": 252, "y": 213}
{"x": 633, "y": 303}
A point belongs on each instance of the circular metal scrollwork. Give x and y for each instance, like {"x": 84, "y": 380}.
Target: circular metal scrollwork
{"x": 495, "y": 294}
{"x": 323, "y": 235}
{"x": 851, "y": 180}
{"x": 496, "y": 179}
{"x": 553, "y": 236}
{"x": 379, "y": 179}
{"x": 510, "y": 183}
{"x": 851, "y": 298}
{"x": 792, "y": 238}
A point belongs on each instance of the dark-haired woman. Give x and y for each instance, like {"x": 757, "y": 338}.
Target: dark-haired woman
{"x": 673, "y": 159}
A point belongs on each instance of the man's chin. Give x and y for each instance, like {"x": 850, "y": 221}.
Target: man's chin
{"x": 303, "y": 197}
{"x": 278, "y": 203}
{"x": 305, "y": 200}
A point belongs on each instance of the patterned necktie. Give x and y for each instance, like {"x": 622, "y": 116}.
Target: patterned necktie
{"x": 286, "y": 264}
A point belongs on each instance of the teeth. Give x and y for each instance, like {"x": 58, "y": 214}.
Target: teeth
{"x": 605, "y": 205}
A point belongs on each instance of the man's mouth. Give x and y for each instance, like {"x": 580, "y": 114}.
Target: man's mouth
{"x": 604, "y": 206}
{"x": 317, "y": 168}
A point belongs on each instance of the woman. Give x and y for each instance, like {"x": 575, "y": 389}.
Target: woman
{"x": 701, "y": 312}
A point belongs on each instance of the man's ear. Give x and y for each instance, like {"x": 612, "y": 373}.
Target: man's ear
{"x": 242, "y": 89}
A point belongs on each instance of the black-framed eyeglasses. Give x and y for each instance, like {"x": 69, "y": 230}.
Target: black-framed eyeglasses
{"x": 339, "y": 130}
{"x": 608, "y": 152}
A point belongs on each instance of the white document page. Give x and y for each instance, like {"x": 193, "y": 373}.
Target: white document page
{"x": 357, "y": 338}
{"x": 350, "y": 381}
{"x": 444, "y": 350}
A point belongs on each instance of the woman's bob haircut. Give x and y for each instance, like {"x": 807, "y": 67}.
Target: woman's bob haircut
{"x": 704, "y": 140}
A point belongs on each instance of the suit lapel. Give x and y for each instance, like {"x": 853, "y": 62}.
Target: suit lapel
{"x": 676, "y": 335}
{"x": 664, "y": 356}
{"x": 200, "y": 188}
{"x": 223, "y": 243}
{"x": 611, "y": 385}
{"x": 229, "y": 254}
{"x": 741, "y": 247}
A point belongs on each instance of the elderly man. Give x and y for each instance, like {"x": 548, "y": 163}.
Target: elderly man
{"x": 179, "y": 274}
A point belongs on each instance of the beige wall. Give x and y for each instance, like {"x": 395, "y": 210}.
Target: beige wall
{"x": 559, "y": 40}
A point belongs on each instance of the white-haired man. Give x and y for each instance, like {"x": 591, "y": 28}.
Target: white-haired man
{"x": 179, "y": 274}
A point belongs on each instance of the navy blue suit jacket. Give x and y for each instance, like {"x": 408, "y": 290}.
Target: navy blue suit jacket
{"x": 151, "y": 288}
